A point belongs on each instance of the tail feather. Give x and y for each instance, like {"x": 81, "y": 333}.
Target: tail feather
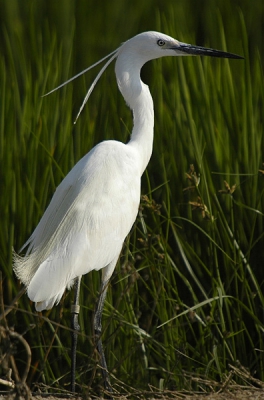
{"x": 25, "y": 267}
{"x": 49, "y": 303}
{"x": 50, "y": 281}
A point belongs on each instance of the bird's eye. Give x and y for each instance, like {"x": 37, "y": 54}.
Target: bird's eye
{"x": 160, "y": 42}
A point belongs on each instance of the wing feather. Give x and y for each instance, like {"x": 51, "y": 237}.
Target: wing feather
{"x": 85, "y": 224}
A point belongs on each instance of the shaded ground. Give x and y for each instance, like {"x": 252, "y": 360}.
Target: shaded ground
{"x": 239, "y": 394}
{"x": 246, "y": 394}
{"x": 250, "y": 389}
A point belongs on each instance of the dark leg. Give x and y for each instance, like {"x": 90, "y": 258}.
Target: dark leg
{"x": 98, "y": 331}
{"x": 75, "y": 308}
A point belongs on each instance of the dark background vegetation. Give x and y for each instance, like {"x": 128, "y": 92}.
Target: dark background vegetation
{"x": 186, "y": 297}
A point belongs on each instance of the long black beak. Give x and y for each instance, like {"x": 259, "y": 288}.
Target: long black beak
{"x": 189, "y": 49}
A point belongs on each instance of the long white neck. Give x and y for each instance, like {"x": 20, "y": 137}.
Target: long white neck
{"x": 138, "y": 98}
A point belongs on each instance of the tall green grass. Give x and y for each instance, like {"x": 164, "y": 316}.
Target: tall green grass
{"x": 186, "y": 297}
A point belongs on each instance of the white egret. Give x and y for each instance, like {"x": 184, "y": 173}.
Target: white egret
{"x": 96, "y": 204}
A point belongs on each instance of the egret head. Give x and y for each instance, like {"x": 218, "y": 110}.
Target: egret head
{"x": 147, "y": 46}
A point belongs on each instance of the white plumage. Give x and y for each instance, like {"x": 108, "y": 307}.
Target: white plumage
{"x": 83, "y": 228}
